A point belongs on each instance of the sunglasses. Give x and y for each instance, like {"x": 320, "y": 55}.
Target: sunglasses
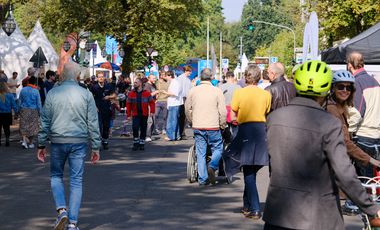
{"x": 345, "y": 87}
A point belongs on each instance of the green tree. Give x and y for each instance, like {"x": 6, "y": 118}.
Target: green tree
{"x": 282, "y": 45}
{"x": 341, "y": 19}
{"x": 134, "y": 23}
{"x": 27, "y": 13}
{"x": 232, "y": 39}
{"x": 262, "y": 35}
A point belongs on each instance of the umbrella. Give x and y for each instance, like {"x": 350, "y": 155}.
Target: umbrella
{"x": 108, "y": 65}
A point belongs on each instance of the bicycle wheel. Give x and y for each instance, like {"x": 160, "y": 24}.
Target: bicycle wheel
{"x": 192, "y": 166}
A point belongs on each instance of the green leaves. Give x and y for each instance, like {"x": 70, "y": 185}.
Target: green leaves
{"x": 341, "y": 19}
{"x": 256, "y": 35}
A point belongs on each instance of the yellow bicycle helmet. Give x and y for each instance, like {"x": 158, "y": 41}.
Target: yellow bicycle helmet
{"x": 313, "y": 78}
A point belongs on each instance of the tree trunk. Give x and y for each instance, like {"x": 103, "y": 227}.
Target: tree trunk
{"x": 126, "y": 65}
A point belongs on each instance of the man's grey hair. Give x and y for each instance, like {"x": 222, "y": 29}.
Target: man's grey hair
{"x": 31, "y": 71}
{"x": 71, "y": 71}
{"x": 206, "y": 74}
{"x": 278, "y": 69}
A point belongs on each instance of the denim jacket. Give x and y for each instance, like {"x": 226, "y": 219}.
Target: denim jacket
{"x": 69, "y": 116}
{"x": 30, "y": 99}
{"x": 8, "y": 104}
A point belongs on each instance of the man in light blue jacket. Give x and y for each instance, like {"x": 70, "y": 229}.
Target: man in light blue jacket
{"x": 69, "y": 119}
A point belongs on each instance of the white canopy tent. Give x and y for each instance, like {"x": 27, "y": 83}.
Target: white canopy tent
{"x": 18, "y": 35}
{"x": 239, "y": 70}
{"x": 38, "y": 39}
{"x": 14, "y": 54}
{"x": 96, "y": 59}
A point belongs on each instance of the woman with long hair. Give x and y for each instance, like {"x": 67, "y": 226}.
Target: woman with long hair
{"x": 30, "y": 106}
{"x": 341, "y": 99}
{"x": 7, "y": 104}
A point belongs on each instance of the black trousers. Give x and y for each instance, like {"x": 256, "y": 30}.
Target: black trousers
{"x": 182, "y": 120}
{"x": 122, "y": 104}
{"x": 5, "y": 123}
{"x": 272, "y": 227}
{"x": 104, "y": 124}
{"x": 139, "y": 126}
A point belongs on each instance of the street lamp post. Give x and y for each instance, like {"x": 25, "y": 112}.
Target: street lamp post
{"x": 104, "y": 52}
{"x": 78, "y": 38}
{"x": 9, "y": 23}
{"x": 284, "y": 27}
{"x": 94, "y": 51}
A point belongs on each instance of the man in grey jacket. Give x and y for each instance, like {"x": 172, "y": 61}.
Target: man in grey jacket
{"x": 69, "y": 119}
{"x": 309, "y": 160}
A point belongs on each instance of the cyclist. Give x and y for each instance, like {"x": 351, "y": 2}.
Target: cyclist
{"x": 309, "y": 160}
{"x": 341, "y": 98}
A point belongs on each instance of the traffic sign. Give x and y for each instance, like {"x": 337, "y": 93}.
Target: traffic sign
{"x": 38, "y": 58}
{"x": 261, "y": 66}
{"x": 94, "y": 49}
{"x": 273, "y": 59}
{"x": 204, "y": 64}
{"x": 225, "y": 63}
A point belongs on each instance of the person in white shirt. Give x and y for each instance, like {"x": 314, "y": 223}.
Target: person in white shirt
{"x": 175, "y": 100}
{"x": 185, "y": 86}
{"x": 13, "y": 84}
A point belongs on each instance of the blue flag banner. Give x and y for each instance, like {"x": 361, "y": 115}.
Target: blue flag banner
{"x": 112, "y": 48}
{"x": 204, "y": 64}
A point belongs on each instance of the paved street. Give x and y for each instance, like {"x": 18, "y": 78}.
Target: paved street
{"x": 126, "y": 190}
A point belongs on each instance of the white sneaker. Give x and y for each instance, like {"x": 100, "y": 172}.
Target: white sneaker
{"x": 148, "y": 139}
{"x": 164, "y": 132}
{"x": 31, "y": 146}
{"x": 24, "y": 145}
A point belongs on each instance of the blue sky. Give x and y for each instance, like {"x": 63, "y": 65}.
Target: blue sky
{"x": 232, "y": 9}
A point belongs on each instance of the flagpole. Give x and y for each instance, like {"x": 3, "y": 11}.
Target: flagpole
{"x": 221, "y": 56}
{"x": 241, "y": 55}
{"x": 208, "y": 40}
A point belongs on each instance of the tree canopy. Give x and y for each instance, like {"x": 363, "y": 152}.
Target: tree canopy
{"x": 341, "y": 19}
{"x": 177, "y": 28}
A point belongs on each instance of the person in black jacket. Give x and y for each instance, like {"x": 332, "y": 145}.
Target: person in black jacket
{"x": 281, "y": 90}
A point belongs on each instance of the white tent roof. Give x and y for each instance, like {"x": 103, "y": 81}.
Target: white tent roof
{"x": 244, "y": 62}
{"x": 38, "y": 39}
{"x": 98, "y": 58}
{"x": 18, "y": 35}
{"x": 14, "y": 54}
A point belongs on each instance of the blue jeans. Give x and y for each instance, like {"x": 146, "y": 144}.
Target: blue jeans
{"x": 213, "y": 138}
{"x": 75, "y": 154}
{"x": 161, "y": 115}
{"x": 251, "y": 196}
{"x": 372, "y": 148}
{"x": 172, "y": 126}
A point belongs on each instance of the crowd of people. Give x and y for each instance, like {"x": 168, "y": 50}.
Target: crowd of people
{"x": 316, "y": 133}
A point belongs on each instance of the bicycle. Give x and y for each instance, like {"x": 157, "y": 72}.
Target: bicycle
{"x": 372, "y": 184}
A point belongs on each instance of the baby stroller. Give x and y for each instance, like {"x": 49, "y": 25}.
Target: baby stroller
{"x": 192, "y": 165}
